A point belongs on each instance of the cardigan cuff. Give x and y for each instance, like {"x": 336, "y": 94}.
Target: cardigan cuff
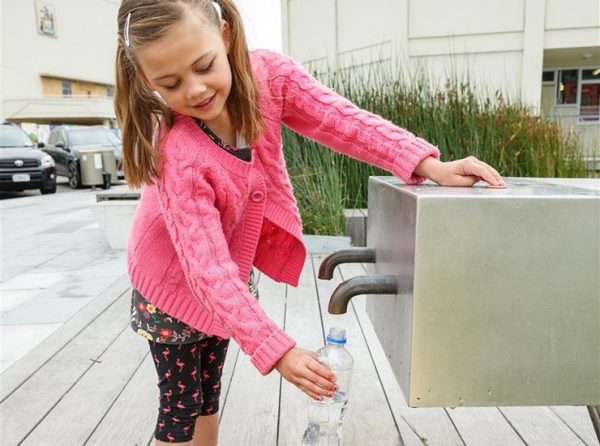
{"x": 272, "y": 350}
{"x": 410, "y": 157}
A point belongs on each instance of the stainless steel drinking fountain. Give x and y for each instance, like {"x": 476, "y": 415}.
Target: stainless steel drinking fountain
{"x": 483, "y": 297}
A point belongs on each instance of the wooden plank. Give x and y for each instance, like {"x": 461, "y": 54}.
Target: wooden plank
{"x": 20, "y": 372}
{"x": 131, "y": 419}
{"x": 579, "y": 421}
{"x": 483, "y": 426}
{"x": 368, "y": 417}
{"x": 303, "y": 323}
{"x": 233, "y": 354}
{"x": 96, "y": 391}
{"x": 35, "y": 398}
{"x": 539, "y": 426}
{"x": 430, "y": 426}
{"x": 251, "y": 409}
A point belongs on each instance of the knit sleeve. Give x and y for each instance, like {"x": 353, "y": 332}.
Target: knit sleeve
{"x": 187, "y": 201}
{"x": 315, "y": 111}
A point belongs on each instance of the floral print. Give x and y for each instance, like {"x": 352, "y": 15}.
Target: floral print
{"x": 157, "y": 326}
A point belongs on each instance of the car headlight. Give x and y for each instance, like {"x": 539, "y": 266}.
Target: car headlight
{"x": 47, "y": 161}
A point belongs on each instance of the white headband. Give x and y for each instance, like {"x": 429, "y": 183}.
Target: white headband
{"x": 218, "y": 8}
{"x": 126, "y": 32}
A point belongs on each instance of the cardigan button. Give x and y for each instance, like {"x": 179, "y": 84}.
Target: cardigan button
{"x": 257, "y": 195}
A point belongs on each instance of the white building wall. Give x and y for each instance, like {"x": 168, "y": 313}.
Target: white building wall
{"x": 498, "y": 45}
{"x": 84, "y": 48}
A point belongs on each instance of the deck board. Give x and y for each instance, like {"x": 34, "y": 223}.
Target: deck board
{"x": 251, "y": 410}
{"x": 578, "y": 420}
{"x": 41, "y": 392}
{"x": 14, "y": 377}
{"x": 539, "y": 426}
{"x": 303, "y": 323}
{"x": 101, "y": 384}
{"x": 135, "y": 406}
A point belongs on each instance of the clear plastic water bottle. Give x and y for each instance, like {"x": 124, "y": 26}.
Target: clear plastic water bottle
{"x": 325, "y": 417}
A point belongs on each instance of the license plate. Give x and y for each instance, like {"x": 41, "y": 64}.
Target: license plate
{"x": 21, "y": 177}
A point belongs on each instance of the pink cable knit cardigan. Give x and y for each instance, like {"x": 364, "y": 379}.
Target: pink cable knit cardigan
{"x": 210, "y": 217}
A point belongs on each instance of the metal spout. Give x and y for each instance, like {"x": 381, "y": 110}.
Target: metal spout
{"x": 376, "y": 284}
{"x": 351, "y": 255}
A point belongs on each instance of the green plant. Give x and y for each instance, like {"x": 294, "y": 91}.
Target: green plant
{"x": 499, "y": 132}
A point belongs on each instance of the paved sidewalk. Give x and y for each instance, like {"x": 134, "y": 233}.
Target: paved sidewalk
{"x": 54, "y": 261}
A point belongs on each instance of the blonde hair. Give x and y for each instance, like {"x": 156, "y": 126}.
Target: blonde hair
{"x": 139, "y": 110}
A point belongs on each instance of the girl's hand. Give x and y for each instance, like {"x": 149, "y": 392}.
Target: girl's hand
{"x": 302, "y": 368}
{"x": 464, "y": 172}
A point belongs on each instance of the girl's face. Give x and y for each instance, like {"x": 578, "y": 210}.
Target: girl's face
{"x": 189, "y": 68}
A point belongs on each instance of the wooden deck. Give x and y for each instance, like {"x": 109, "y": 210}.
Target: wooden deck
{"x": 93, "y": 383}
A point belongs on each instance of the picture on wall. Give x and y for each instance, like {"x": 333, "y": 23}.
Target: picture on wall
{"x": 46, "y": 18}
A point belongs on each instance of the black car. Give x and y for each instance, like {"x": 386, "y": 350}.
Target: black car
{"x": 22, "y": 164}
{"x": 65, "y": 142}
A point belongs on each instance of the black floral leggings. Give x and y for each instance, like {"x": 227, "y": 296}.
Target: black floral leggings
{"x": 189, "y": 380}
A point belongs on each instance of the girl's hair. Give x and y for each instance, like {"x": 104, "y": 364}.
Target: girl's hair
{"x": 138, "y": 109}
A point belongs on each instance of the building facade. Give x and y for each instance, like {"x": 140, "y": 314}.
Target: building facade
{"x": 545, "y": 53}
{"x": 58, "y": 61}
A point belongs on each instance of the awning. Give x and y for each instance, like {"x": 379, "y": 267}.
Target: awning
{"x": 58, "y": 109}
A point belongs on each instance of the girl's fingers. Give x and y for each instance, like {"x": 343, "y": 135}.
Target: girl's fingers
{"x": 487, "y": 172}
{"x": 313, "y": 395}
{"x": 312, "y": 388}
{"x": 321, "y": 369}
{"x": 319, "y": 379}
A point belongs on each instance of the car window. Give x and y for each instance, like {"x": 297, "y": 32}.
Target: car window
{"x": 92, "y": 136}
{"x": 13, "y": 137}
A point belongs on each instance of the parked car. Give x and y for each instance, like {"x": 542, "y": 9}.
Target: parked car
{"x": 65, "y": 143}
{"x": 22, "y": 164}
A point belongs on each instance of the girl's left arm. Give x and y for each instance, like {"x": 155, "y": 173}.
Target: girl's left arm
{"x": 313, "y": 110}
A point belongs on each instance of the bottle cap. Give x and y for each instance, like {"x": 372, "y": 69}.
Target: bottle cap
{"x": 337, "y": 335}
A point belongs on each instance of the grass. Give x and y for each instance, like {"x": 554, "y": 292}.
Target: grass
{"x": 455, "y": 118}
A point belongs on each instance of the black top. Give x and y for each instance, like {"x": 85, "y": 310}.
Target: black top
{"x": 244, "y": 153}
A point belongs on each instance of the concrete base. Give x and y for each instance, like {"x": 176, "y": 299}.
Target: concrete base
{"x": 356, "y": 226}
{"x": 115, "y": 218}
{"x": 324, "y": 244}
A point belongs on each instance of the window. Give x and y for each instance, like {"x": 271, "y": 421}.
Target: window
{"x": 110, "y": 91}
{"x": 589, "y": 101}
{"x": 593, "y": 74}
{"x": 566, "y": 88}
{"x": 548, "y": 76}
{"x": 67, "y": 89}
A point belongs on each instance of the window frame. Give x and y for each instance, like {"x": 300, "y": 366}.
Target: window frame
{"x": 64, "y": 83}
{"x": 580, "y": 81}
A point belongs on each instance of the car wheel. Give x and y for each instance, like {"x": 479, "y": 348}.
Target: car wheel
{"x": 48, "y": 190}
{"x": 74, "y": 177}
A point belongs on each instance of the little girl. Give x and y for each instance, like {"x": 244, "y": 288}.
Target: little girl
{"x": 201, "y": 116}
